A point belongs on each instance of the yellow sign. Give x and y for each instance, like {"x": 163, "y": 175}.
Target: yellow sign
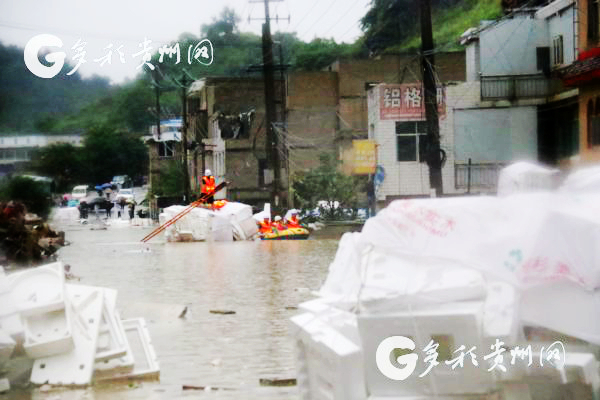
{"x": 365, "y": 157}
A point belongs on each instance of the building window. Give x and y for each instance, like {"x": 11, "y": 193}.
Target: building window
{"x": 557, "y": 49}
{"x": 592, "y": 20}
{"x": 262, "y": 166}
{"x": 165, "y": 149}
{"x": 411, "y": 141}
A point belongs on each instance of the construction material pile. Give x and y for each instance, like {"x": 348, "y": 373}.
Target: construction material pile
{"x": 72, "y": 333}
{"x": 520, "y": 271}
{"x": 230, "y": 221}
{"x": 24, "y": 237}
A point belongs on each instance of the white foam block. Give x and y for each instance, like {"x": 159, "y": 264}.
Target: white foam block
{"x": 146, "y": 362}
{"x": 111, "y": 338}
{"x": 76, "y": 366}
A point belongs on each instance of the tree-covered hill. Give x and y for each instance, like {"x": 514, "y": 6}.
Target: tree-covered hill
{"x": 29, "y": 103}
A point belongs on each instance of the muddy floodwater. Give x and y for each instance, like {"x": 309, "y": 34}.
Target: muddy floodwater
{"x": 261, "y": 281}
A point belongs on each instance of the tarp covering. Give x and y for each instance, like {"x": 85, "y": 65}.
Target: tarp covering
{"x": 546, "y": 245}
{"x": 525, "y": 176}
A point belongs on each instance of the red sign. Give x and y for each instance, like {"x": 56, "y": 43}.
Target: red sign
{"x": 405, "y": 102}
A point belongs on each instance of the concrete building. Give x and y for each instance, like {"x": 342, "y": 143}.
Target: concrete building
{"x": 511, "y": 107}
{"x": 227, "y": 134}
{"x": 164, "y": 151}
{"x": 323, "y": 111}
{"x": 584, "y": 75}
{"x": 17, "y": 149}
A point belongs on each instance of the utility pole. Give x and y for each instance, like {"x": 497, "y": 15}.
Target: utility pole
{"x": 157, "y": 92}
{"x": 434, "y": 160}
{"x": 272, "y": 145}
{"x": 184, "y": 144}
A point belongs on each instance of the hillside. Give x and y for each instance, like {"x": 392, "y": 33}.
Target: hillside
{"x": 29, "y": 103}
{"x": 449, "y": 24}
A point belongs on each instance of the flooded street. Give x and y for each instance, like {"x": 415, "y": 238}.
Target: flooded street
{"x": 261, "y": 281}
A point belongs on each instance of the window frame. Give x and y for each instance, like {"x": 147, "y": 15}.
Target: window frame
{"x": 420, "y": 139}
{"x": 164, "y": 148}
{"x": 558, "y": 55}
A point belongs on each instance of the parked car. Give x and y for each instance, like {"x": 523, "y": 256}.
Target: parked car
{"x": 126, "y": 194}
{"x": 79, "y": 192}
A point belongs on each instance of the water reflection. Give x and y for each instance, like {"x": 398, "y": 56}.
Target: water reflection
{"x": 260, "y": 281}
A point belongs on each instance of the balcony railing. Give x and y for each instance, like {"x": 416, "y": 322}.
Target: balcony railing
{"x": 513, "y": 87}
{"x": 476, "y": 175}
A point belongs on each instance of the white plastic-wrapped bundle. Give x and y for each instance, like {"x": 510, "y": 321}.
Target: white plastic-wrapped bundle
{"x": 522, "y": 176}
{"x": 422, "y": 252}
{"x": 240, "y": 217}
{"x": 195, "y": 225}
{"x": 65, "y": 215}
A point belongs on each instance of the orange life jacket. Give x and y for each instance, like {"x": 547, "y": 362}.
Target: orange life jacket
{"x": 293, "y": 222}
{"x": 264, "y": 227}
{"x": 208, "y": 184}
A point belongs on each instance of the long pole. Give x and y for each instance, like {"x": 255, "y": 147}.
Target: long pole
{"x": 272, "y": 146}
{"x": 184, "y": 146}
{"x": 434, "y": 159}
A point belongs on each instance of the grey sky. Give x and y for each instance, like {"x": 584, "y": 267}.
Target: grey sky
{"x": 129, "y": 22}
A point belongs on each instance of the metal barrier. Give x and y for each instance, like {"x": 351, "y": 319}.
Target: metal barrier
{"x": 476, "y": 175}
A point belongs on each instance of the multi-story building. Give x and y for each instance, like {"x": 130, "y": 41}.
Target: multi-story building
{"x": 584, "y": 75}
{"x": 511, "y": 107}
{"x": 17, "y": 149}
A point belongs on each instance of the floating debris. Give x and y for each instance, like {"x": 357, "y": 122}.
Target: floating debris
{"x": 277, "y": 382}
{"x": 205, "y": 388}
{"x": 223, "y": 312}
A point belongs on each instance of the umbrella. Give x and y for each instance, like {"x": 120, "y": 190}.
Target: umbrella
{"x": 103, "y": 186}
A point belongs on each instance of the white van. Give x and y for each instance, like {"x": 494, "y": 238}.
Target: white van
{"x": 79, "y": 192}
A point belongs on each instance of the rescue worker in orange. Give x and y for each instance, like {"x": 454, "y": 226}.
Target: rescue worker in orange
{"x": 265, "y": 225}
{"x": 278, "y": 224}
{"x": 208, "y": 186}
{"x": 293, "y": 221}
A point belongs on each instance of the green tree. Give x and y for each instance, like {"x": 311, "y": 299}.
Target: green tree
{"x": 108, "y": 152}
{"x": 171, "y": 180}
{"x": 325, "y": 183}
{"x": 61, "y": 162}
{"x": 32, "y": 194}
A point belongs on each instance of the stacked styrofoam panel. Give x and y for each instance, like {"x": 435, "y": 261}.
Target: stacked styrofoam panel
{"x": 329, "y": 362}
{"x": 459, "y": 321}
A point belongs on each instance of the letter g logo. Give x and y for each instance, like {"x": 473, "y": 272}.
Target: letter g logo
{"x": 382, "y": 358}
{"x": 31, "y": 56}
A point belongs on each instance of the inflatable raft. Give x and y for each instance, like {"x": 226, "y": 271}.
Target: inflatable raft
{"x": 286, "y": 234}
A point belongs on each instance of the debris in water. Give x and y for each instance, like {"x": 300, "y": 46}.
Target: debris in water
{"x": 277, "y": 382}
{"x": 182, "y": 314}
{"x": 223, "y": 312}
{"x": 4, "y": 385}
{"x": 205, "y": 388}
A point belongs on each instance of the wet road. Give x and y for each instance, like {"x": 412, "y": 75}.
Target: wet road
{"x": 260, "y": 281}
